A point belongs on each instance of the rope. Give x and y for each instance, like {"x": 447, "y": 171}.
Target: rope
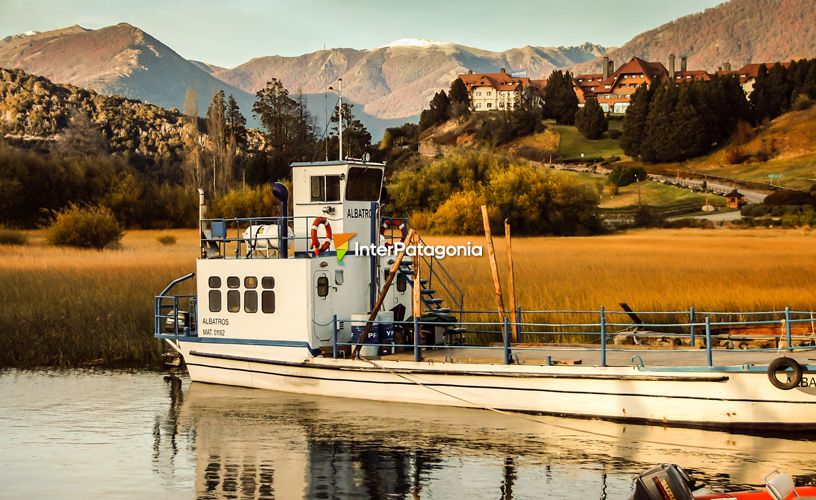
{"x": 530, "y": 418}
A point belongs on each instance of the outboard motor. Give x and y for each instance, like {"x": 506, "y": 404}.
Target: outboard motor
{"x": 664, "y": 482}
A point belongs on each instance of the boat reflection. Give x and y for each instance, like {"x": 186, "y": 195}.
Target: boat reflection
{"x": 262, "y": 444}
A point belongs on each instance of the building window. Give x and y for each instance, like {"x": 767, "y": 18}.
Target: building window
{"x": 250, "y": 301}
{"x": 268, "y": 301}
{"x": 478, "y": 105}
{"x": 215, "y": 301}
{"x": 233, "y": 301}
{"x": 478, "y": 93}
{"x": 489, "y": 93}
{"x": 233, "y": 282}
{"x": 490, "y": 105}
{"x": 322, "y": 286}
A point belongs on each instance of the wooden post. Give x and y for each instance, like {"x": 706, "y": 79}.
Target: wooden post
{"x": 417, "y": 296}
{"x": 376, "y": 309}
{"x": 511, "y": 287}
{"x": 494, "y": 268}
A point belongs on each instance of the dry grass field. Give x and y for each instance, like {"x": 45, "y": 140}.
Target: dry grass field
{"x": 72, "y": 307}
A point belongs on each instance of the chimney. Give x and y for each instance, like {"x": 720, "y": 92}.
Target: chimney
{"x": 502, "y": 70}
{"x": 605, "y": 67}
{"x": 684, "y": 63}
{"x": 611, "y": 67}
{"x": 726, "y": 66}
{"x": 671, "y": 67}
{"x": 470, "y": 72}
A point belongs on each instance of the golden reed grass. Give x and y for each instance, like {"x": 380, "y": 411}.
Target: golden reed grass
{"x": 71, "y": 307}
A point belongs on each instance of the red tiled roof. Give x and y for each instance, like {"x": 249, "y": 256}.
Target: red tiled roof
{"x": 499, "y": 81}
{"x": 752, "y": 70}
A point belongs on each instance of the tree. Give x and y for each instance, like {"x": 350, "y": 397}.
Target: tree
{"x": 438, "y": 112}
{"x": 590, "y": 119}
{"x": 459, "y": 99}
{"x": 81, "y": 137}
{"x": 634, "y": 122}
{"x": 356, "y": 137}
{"x": 220, "y": 153}
{"x": 236, "y": 123}
{"x": 289, "y": 125}
{"x": 193, "y": 162}
{"x": 560, "y": 101}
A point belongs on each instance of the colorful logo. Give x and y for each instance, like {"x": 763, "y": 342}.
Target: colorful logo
{"x": 341, "y": 245}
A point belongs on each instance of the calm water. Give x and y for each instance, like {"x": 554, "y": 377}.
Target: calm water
{"x": 114, "y": 434}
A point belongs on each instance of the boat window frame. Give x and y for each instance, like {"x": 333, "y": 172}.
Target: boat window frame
{"x": 264, "y": 295}
{"x": 233, "y": 301}
{"x": 322, "y": 288}
{"x": 233, "y": 282}
{"x": 352, "y": 181}
{"x": 214, "y": 305}
{"x": 254, "y": 301}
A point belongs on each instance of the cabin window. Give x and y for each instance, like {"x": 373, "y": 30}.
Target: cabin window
{"x": 268, "y": 282}
{"x": 318, "y": 188}
{"x": 322, "y": 286}
{"x": 215, "y": 301}
{"x": 250, "y": 301}
{"x": 268, "y": 301}
{"x": 332, "y": 188}
{"x": 233, "y": 282}
{"x": 233, "y": 301}
{"x": 214, "y": 281}
{"x": 250, "y": 282}
{"x": 402, "y": 282}
{"x": 364, "y": 184}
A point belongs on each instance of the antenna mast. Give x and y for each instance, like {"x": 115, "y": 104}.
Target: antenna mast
{"x": 340, "y": 113}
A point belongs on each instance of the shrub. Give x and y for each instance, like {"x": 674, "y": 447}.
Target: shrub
{"x": 736, "y": 155}
{"x": 258, "y": 201}
{"x": 167, "y": 240}
{"x": 87, "y": 227}
{"x": 615, "y": 133}
{"x": 802, "y": 102}
{"x": 647, "y": 216}
{"x": 590, "y": 120}
{"x": 743, "y": 133}
{"x": 623, "y": 175}
{"x": 421, "y": 220}
{"x": 789, "y": 197}
{"x": 460, "y": 214}
{"x": 11, "y": 237}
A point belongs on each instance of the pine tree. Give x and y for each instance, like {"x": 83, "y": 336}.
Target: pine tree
{"x": 634, "y": 122}
{"x": 590, "y": 119}
{"x": 760, "y": 101}
{"x": 688, "y": 136}
{"x": 236, "y": 123}
{"x": 459, "y": 98}
{"x": 560, "y": 101}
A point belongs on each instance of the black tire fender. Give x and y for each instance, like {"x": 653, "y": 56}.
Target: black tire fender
{"x": 783, "y": 364}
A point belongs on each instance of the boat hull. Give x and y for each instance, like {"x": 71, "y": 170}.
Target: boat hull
{"x": 726, "y": 397}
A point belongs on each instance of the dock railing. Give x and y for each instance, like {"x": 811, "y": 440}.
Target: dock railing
{"x": 604, "y": 332}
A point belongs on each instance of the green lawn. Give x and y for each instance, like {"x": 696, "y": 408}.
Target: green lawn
{"x": 657, "y": 195}
{"x": 573, "y": 143}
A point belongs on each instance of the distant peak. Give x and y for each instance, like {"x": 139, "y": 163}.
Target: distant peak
{"x": 415, "y": 42}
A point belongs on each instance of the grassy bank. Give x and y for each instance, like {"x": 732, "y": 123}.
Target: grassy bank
{"x": 67, "y": 307}
{"x": 72, "y": 307}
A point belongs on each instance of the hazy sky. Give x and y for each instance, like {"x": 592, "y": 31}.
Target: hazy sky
{"x": 228, "y": 33}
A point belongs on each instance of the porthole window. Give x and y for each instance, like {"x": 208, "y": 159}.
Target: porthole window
{"x": 233, "y": 301}
{"x": 250, "y": 282}
{"x": 215, "y": 301}
{"x": 233, "y": 282}
{"x": 250, "y": 301}
{"x": 322, "y": 286}
{"x": 268, "y": 282}
{"x": 214, "y": 281}
{"x": 268, "y": 301}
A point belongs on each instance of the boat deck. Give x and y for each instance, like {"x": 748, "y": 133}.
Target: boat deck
{"x": 590, "y": 355}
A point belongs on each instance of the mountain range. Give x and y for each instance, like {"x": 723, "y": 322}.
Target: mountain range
{"x": 390, "y": 85}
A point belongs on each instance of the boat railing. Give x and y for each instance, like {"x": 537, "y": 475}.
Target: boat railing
{"x": 174, "y": 315}
{"x": 700, "y": 331}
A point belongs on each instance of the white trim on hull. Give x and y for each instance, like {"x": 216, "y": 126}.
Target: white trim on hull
{"x": 700, "y": 398}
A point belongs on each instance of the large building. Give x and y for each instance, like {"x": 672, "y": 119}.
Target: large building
{"x": 613, "y": 89}
{"x": 497, "y": 91}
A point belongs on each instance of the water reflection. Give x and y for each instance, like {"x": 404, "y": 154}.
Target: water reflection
{"x": 261, "y": 444}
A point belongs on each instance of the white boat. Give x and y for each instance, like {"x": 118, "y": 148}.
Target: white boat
{"x": 284, "y": 307}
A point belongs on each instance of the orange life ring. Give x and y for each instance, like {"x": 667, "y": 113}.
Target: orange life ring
{"x": 398, "y": 223}
{"x": 316, "y": 245}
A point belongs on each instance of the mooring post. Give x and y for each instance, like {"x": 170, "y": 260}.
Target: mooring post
{"x": 709, "y": 354}
{"x": 603, "y": 336}
{"x": 788, "y": 329}
{"x": 417, "y": 356}
{"x": 334, "y": 336}
{"x": 691, "y": 326}
{"x": 506, "y": 335}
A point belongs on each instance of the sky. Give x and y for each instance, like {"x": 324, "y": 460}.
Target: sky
{"x": 230, "y": 32}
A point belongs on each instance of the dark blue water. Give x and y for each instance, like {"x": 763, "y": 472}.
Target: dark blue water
{"x": 115, "y": 434}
